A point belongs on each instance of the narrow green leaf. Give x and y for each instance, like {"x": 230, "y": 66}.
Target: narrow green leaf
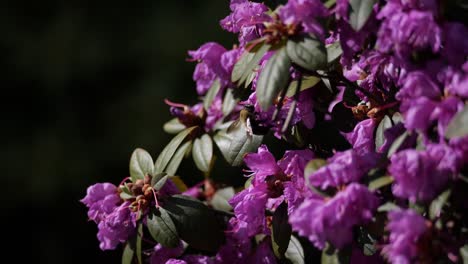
{"x": 138, "y": 242}
{"x": 387, "y": 207}
{"x": 128, "y": 253}
{"x": 334, "y": 51}
{"x": 221, "y": 198}
{"x": 202, "y": 152}
{"x": 335, "y": 256}
{"x": 247, "y": 77}
{"x": 158, "y": 185}
{"x": 458, "y": 126}
{"x": 380, "y": 182}
{"x": 157, "y": 178}
{"x": 385, "y": 124}
{"x": 229, "y": 102}
{"x": 173, "y": 126}
{"x": 397, "y": 143}
{"x": 306, "y": 83}
{"x": 280, "y": 230}
{"x": 125, "y": 196}
{"x": 141, "y": 164}
{"x": 211, "y": 94}
{"x": 307, "y": 52}
{"x": 196, "y": 224}
{"x": 241, "y": 66}
{"x": 248, "y": 182}
{"x": 360, "y": 10}
{"x": 172, "y": 167}
{"x": 162, "y": 228}
{"x": 223, "y": 141}
{"x": 295, "y": 252}
{"x": 464, "y": 254}
{"x": 273, "y": 78}
{"x": 437, "y": 204}
{"x": 167, "y": 153}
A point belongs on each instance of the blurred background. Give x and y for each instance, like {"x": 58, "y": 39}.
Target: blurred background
{"x": 83, "y": 84}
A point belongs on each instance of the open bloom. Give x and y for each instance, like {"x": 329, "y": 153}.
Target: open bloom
{"x": 333, "y": 220}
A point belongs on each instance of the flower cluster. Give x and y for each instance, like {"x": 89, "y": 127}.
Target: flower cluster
{"x": 366, "y": 102}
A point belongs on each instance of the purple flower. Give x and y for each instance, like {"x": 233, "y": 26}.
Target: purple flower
{"x": 246, "y": 18}
{"x": 418, "y": 84}
{"x": 405, "y": 32}
{"x": 342, "y": 168}
{"x": 445, "y": 111}
{"x": 174, "y": 261}
{"x": 262, "y": 164}
{"x": 362, "y": 137}
{"x": 305, "y": 14}
{"x": 237, "y": 246}
{"x": 421, "y": 175}
{"x": 333, "y": 220}
{"x": 163, "y": 254}
{"x": 198, "y": 259}
{"x": 116, "y": 227}
{"x": 456, "y": 82}
{"x": 263, "y": 254}
{"x": 406, "y": 228}
{"x": 417, "y": 113}
{"x": 196, "y": 115}
{"x": 101, "y": 199}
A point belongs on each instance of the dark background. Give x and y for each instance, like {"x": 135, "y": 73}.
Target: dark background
{"x": 83, "y": 84}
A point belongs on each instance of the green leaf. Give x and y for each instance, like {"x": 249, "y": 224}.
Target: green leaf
{"x": 281, "y": 230}
{"x": 335, "y": 256}
{"x": 162, "y": 228}
{"x": 387, "y": 207}
{"x": 138, "y": 242}
{"x": 125, "y": 196}
{"x": 202, "y": 152}
{"x": 241, "y": 143}
{"x": 307, "y": 52}
{"x": 380, "y": 182}
{"x": 128, "y": 253}
{"x": 360, "y": 10}
{"x": 223, "y": 141}
{"x": 196, "y": 224}
{"x": 273, "y": 78}
{"x": 248, "y": 182}
{"x": 385, "y": 124}
{"x": 229, "y": 102}
{"x": 437, "y": 204}
{"x": 306, "y": 83}
{"x": 464, "y": 254}
{"x": 458, "y": 126}
{"x": 173, "y": 126}
{"x": 295, "y": 252}
{"x": 397, "y": 143}
{"x": 157, "y": 178}
{"x": 245, "y": 66}
{"x": 334, "y": 51}
{"x": 141, "y": 164}
{"x": 211, "y": 94}
{"x": 172, "y": 167}
{"x": 158, "y": 185}
{"x": 221, "y": 198}
{"x": 170, "y": 149}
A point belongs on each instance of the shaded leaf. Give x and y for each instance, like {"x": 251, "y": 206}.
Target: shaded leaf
{"x": 306, "y": 83}
{"x": 158, "y": 185}
{"x": 397, "y": 143}
{"x": 245, "y": 66}
{"x": 138, "y": 242}
{"x": 464, "y": 254}
{"x": 128, "y": 253}
{"x": 360, "y": 11}
{"x": 311, "y": 167}
{"x": 221, "y": 198}
{"x": 162, "y": 228}
{"x": 334, "y": 51}
{"x": 295, "y": 252}
{"x": 458, "y": 126}
{"x": 211, "y": 94}
{"x": 437, "y": 204}
{"x": 196, "y": 223}
{"x": 387, "y": 207}
{"x": 223, "y": 141}
{"x": 141, "y": 164}
{"x": 380, "y": 182}
{"x": 229, "y": 102}
{"x": 202, "y": 152}
{"x": 307, "y": 52}
{"x": 280, "y": 230}
{"x": 173, "y": 126}
{"x": 172, "y": 167}
{"x": 335, "y": 256}
{"x": 273, "y": 78}
{"x": 179, "y": 183}
{"x": 167, "y": 153}
{"x": 157, "y": 178}
{"x": 385, "y": 124}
